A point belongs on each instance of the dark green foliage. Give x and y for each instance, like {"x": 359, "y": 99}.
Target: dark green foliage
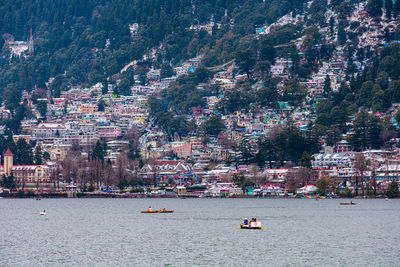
{"x": 327, "y": 86}
{"x": 23, "y": 154}
{"x": 367, "y": 129}
{"x": 393, "y": 190}
{"x": 38, "y": 156}
{"x": 305, "y": 160}
{"x": 234, "y": 101}
{"x": 98, "y": 152}
{"x": 246, "y": 61}
{"x": 396, "y": 8}
{"x": 243, "y": 182}
{"x": 389, "y": 8}
{"x": 294, "y": 92}
{"x": 42, "y": 108}
{"x": 213, "y": 126}
{"x": 8, "y": 182}
{"x": 288, "y": 145}
{"x": 101, "y": 105}
{"x": 341, "y": 35}
{"x": 166, "y": 71}
{"x": 323, "y": 185}
{"x": 374, "y": 8}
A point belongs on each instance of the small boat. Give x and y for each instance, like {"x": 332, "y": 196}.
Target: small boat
{"x": 43, "y": 213}
{"x": 347, "y": 203}
{"x": 387, "y": 199}
{"x": 157, "y": 211}
{"x": 251, "y": 225}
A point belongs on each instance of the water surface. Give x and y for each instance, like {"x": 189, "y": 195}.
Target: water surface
{"x": 113, "y": 232}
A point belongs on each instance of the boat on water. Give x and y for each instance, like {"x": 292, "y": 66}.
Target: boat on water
{"x": 251, "y": 225}
{"x": 43, "y": 213}
{"x": 157, "y": 211}
{"x": 348, "y": 203}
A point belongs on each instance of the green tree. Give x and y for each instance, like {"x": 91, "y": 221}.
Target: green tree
{"x": 243, "y": 182}
{"x": 246, "y": 61}
{"x": 393, "y": 190}
{"x": 327, "y": 86}
{"x": 101, "y": 105}
{"x": 267, "y": 51}
{"x": 42, "y": 108}
{"x": 324, "y": 186}
{"x": 396, "y": 8}
{"x": 166, "y": 71}
{"x": 104, "y": 88}
{"x": 341, "y": 35}
{"x": 23, "y": 154}
{"x": 8, "y": 182}
{"x": 389, "y": 8}
{"x": 213, "y": 126}
{"x": 38, "y": 155}
{"x": 367, "y": 129}
{"x": 98, "y": 152}
{"x": 374, "y": 8}
{"x": 306, "y": 160}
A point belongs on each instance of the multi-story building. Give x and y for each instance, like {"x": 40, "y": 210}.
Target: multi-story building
{"x": 25, "y": 175}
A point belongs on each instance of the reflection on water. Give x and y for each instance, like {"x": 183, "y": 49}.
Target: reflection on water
{"x": 113, "y": 232}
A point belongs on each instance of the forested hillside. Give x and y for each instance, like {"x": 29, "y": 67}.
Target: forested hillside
{"x": 353, "y": 45}
{"x": 85, "y": 42}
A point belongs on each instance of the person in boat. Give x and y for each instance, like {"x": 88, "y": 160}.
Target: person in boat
{"x": 245, "y": 221}
{"x": 351, "y": 202}
{"x": 150, "y": 209}
{"x": 164, "y": 209}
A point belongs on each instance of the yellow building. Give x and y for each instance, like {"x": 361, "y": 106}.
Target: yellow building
{"x": 24, "y": 175}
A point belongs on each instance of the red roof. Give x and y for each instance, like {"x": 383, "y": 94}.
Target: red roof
{"x": 8, "y": 152}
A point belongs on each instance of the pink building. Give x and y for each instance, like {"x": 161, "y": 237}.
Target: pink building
{"x": 109, "y": 131}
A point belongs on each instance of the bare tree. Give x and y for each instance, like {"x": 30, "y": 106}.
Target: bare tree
{"x": 108, "y": 175}
{"x": 360, "y": 167}
{"x": 304, "y": 176}
{"x": 291, "y": 181}
{"x": 121, "y": 166}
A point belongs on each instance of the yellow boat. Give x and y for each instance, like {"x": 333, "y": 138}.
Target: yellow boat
{"x": 347, "y": 203}
{"x": 157, "y": 211}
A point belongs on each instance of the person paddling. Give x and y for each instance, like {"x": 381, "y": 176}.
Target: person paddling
{"x": 246, "y": 221}
{"x": 150, "y": 209}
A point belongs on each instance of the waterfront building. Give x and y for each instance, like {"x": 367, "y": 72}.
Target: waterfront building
{"x": 24, "y": 175}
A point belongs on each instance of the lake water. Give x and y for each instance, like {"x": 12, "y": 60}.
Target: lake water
{"x": 113, "y": 232}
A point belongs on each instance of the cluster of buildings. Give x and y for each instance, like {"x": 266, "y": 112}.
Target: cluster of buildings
{"x": 82, "y": 116}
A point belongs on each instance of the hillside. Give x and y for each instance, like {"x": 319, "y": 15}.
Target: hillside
{"x": 329, "y": 69}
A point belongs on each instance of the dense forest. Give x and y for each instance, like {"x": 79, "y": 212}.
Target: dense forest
{"x": 85, "y": 42}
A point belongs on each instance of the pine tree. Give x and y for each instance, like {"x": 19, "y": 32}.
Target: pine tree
{"x": 98, "y": 152}
{"x": 104, "y": 88}
{"x": 374, "y": 8}
{"x": 389, "y": 8}
{"x": 341, "y": 35}
{"x": 38, "y": 156}
{"x": 393, "y": 190}
{"x": 396, "y": 8}
{"x": 327, "y": 85}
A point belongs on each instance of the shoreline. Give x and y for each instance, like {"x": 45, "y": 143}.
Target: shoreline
{"x": 18, "y": 195}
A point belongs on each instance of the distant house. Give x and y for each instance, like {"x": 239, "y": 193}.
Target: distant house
{"x": 164, "y": 171}
{"x": 46, "y": 130}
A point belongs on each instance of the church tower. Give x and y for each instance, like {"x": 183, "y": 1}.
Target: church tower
{"x": 8, "y": 162}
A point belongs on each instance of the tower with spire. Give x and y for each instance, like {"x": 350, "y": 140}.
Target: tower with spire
{"x": 8, "y": 162}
